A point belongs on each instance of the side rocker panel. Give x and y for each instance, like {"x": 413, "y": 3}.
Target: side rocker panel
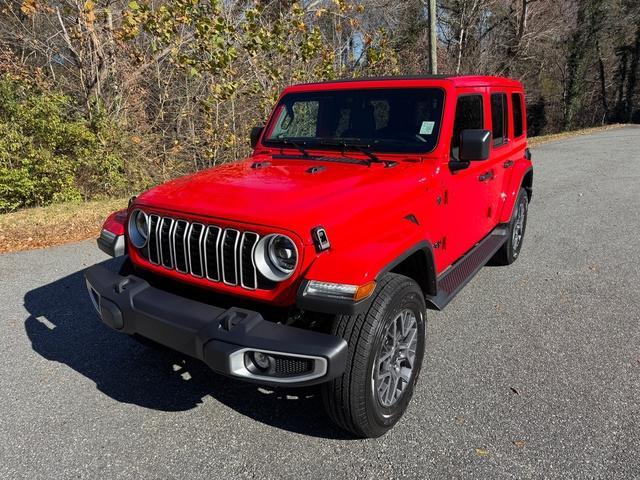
{"x": 460, "y": 273}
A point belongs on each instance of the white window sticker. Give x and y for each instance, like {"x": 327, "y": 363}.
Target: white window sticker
{"x": 426, "y": 128}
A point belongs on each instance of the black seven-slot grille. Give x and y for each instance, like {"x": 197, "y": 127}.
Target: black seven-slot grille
{"x": 204, "y": 251}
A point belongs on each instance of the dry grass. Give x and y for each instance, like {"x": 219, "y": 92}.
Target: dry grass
{"x": 54, "y": 225}
{"x": 535, "y": 141}
{"x": 57, "y": 224}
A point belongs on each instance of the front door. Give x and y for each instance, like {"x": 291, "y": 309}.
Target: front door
{"x": 466, "y": 193}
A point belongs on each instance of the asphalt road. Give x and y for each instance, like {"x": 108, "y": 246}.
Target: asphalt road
{"x": 532, "y": 372}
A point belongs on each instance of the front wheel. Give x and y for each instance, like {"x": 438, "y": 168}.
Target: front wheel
{"x": 386, "y": 347}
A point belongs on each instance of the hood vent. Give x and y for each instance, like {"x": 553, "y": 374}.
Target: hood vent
{"x": 258, "y": 165}
{"x": 315, "y": 169}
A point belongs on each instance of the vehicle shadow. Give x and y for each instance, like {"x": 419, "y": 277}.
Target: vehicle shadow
{"x": 63, "y": 327}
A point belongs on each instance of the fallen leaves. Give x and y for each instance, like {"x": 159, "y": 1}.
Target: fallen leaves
{"x": 29, "y": 7}
{"x": 481, "y": 452}
{"x": 519, "y": 443}
{"x": 54, "y": 225}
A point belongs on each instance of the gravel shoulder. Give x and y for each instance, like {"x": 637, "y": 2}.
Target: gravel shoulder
{"x": 533, "y": 371}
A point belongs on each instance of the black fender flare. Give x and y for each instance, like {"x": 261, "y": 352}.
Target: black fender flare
{"x": 428, "y": 284}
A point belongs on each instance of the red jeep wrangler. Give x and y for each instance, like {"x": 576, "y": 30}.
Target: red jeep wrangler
{"x": 365, "y": 203}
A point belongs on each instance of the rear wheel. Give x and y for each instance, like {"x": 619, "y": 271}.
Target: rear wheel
{"x": 386, "y": 347}
{"x": 509, "y": 252}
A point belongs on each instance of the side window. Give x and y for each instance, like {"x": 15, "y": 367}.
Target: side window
{"x": 469, "y": 114}
{"x": 518, "y": 124}
{"x": 499, "y": 118}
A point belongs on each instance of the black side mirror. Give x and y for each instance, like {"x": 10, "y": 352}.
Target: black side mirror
{"x": 255, "y": 135}
{"x": 475, "y": 144}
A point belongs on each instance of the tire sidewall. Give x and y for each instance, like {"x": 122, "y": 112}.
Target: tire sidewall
{"x": 408, "y": 297}
{"x": 522, "y": 200}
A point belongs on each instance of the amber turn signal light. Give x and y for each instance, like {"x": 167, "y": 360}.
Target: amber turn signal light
{"x": 363, "y": 291}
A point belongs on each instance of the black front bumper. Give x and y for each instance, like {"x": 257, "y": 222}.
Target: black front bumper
{"x": 222, "y": 338}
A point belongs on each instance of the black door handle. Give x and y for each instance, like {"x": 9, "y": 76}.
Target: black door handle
{"x": 486, "y": 176}
{"x": 508, "y": 163}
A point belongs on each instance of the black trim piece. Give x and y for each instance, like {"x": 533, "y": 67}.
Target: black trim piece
{"x": 427, "y": 249}
{"x": 412, "y": 218}
{"x": 381, "y": 79}
{"x": 254, "y": 136}
{"x": 204, "y": 331}
{"x": 315, "y": 169}
{"x": 529, "y": 189}
{"x": 460, "y": 273}
{"x": 112, "y": 245}
{"x": 355, "y": 161}
{"x": 320, "y": 239}
{"x": 257, "y": 165}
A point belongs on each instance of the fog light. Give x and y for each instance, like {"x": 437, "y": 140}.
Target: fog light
{"x": 262, "y": 360}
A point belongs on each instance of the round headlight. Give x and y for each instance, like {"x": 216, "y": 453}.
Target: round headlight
{"x": 283, "y": 254}
{"x": 138, "y": 228}
{"x": 276, "y": 257}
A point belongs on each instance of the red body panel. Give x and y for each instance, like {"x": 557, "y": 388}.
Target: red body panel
{"x": 115, "y": 223}
{"x": 363, "y": 209}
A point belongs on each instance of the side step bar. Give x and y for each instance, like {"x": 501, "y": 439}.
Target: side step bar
{"x": 455, "y": 277}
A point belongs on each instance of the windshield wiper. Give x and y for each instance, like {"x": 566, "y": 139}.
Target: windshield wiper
{"x": 364, "y": 149}
{"x": 361, "y": 148}
{"x": 295, "y": 145}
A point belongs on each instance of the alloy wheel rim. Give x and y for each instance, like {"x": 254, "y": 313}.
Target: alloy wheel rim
{"x": 394, "y": 364}
{"x": 518, "y": 228}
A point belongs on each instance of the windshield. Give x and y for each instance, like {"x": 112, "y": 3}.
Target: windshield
{"x": 384, "y": 120}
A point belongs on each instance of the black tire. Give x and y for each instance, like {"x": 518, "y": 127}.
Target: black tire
{"x": 352, "y": 400}
{"x": 510, "y": 251}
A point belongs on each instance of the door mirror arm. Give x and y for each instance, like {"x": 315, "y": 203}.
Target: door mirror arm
{"x": 456, "y": 165}
{"x": 254, "y": 136}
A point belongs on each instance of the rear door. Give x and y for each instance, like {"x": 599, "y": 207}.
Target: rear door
{"x": 518, "y": 136}
{"x": 502, "y": 153}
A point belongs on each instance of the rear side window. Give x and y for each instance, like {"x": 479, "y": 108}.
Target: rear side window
{"x": 518, "y": 118}
{"x": 499, "y": 118}
{"x": 469, "y": 114}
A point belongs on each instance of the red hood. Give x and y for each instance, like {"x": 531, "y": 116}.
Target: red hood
{"x": 284, "y": 193}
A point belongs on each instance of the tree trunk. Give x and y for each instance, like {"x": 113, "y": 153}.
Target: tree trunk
{"x": 632, "y": 78}
{"x": 603, "y": 84}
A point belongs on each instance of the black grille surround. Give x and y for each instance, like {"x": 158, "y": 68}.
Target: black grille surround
{"x": 204, "y": 251}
